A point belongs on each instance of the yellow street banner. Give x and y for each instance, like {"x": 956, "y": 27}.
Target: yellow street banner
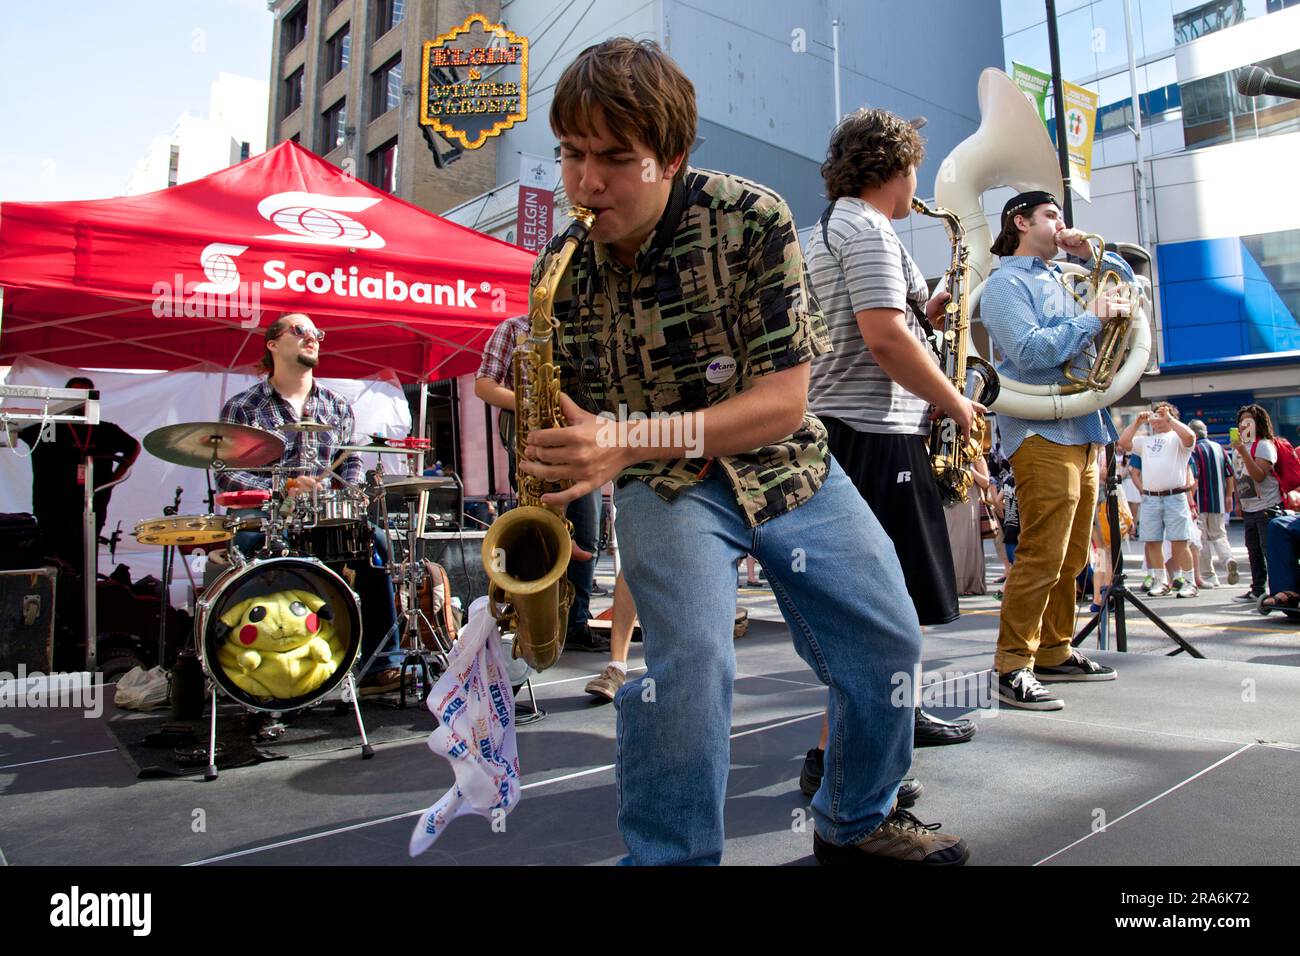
{"x": 1080, "y": 123}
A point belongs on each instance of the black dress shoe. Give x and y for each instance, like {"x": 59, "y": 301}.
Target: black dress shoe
{"x": 810, "y": 778}
{"x": 932, "y": 732}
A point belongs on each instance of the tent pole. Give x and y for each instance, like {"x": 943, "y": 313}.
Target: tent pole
{"x": 424, "y": 414}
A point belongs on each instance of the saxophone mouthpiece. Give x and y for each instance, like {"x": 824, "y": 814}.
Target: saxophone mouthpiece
{"x": 583, "y": 220}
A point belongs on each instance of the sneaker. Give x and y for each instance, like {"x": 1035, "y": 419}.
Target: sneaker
{"x": 606, "y": 685}
{"x": 1021, "y": 689}
{"x": 1177, "y": 583}
{"x": 1188, "y": 590}
{"x": 901, "y": 839}
{"x": 1075, "y": 668}
{"x": 810, "y": 778}
{"x": 1250, "y": 597}
{"x": 1211, "y": 582}
{"x": 1148, "y": 582}
{"x": 585, "y": 639}
{"x": 1233, "y": 575}
{"x": 1160, "y": 590}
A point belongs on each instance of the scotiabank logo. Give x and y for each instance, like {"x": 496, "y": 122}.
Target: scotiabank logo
{"x": 320, "y": 220}
{"x": 218, "y": 261}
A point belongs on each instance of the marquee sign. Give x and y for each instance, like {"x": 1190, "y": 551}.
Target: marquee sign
{"x": 474, "y": 82}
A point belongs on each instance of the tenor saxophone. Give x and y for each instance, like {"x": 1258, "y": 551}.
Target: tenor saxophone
{"x": 951, "y": 455}
{"x": 526, "y": 551}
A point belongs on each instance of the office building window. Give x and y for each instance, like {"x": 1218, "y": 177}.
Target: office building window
{"x": 338, "y": 52}
{"x": 294, "y": 29}
{"x": 330, "y": 5}
{"x": 381, "y": 167}
{"x": 1214, "y": 112}
{"x": 292, "y": 92}
{"x": 386, "y": 87}
{"x": 388, "y": 14}
{"x": 332, "y": 127}
{"x": 173, "y": 164}
{"x": 244, "y": 151}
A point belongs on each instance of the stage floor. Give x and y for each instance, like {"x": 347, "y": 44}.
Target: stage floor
{"x": 1183, "y": 761}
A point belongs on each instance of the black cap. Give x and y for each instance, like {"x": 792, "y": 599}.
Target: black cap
{"x": 1016, "y": 204}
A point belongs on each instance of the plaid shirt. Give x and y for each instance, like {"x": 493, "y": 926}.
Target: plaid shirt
{"x": 717, "y": 298}
{"x": 262, "y": 407}
{"x": 499, "y": 352}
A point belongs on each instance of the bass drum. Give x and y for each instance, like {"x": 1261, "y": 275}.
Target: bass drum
{"x": 278, "y": 634}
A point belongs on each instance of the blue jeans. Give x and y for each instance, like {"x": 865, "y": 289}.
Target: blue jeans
{"x": 585, "y": 515}
{"x": 1283, "y": 553}
{"x": 841, "y": 590}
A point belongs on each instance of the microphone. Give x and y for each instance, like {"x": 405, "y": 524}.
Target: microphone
{"x": 1257, "y": 81}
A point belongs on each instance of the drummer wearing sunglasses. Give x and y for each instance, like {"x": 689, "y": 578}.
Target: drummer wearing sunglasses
{"x": 289, "y": 394}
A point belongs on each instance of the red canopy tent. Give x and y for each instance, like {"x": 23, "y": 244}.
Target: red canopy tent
{"x": 181, "y": 277}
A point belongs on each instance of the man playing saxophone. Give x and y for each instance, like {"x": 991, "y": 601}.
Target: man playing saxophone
{"x": 875, "y": 390}
{"x": 690, "y": 302}
{"x": 1036, "y": 325}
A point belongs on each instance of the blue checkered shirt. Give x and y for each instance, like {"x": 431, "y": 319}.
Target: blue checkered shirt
{"x": 1036, "y": 326}
{"x": 262, "y": 407}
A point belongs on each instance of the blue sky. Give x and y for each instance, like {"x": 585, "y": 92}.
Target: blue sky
{"x": 86, "y": 85}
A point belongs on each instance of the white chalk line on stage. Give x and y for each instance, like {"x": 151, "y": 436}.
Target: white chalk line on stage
{"x": 415, "y": 813}
{"x": 570, "y": 680}
{"x": 1159, "y": 796}
{"x": 88, "y": 753}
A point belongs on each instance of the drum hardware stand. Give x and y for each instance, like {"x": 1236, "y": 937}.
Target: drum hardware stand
{"x": 349, "y": 694}
{"x": 409, "y": 574}
{"x": 523, "y": 717}
{"x": 1118, "y": 592}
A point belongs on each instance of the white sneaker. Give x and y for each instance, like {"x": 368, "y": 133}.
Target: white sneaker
{"x": 1160, "y": 590}
{"x": 1188, "y": 590}
{"x": 1233, "y": 574}
{"x": 1212, "y": 581}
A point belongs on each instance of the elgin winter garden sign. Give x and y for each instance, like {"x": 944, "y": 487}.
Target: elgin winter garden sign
{"x": 474, "y": 82}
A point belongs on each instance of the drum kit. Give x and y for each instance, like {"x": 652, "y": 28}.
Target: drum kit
{"x": 279, "y": 629}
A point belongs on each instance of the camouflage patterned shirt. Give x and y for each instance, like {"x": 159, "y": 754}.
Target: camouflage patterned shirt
{"x": 718, "y": 296}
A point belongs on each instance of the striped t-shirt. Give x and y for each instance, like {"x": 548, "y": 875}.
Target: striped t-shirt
{"x": 865, "y": 267}
{"x": 1210, "y": 465}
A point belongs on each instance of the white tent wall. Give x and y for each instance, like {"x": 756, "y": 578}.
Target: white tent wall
{"x": 141, "y": 402}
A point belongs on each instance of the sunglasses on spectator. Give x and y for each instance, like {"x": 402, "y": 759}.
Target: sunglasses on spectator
{"x": 305, "y": 333}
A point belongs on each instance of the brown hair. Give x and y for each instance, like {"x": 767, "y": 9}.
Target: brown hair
{"x": 1173, "y": 409}
{"x": 869, "y": 147}
{"x": 1009, "y": 238}
{"x": 266, "y": 365}
{"x": 640, "y": 92}
{"x": 1263, "y": 424}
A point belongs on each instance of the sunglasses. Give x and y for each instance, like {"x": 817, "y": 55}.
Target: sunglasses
{"x": 305, "y": 333}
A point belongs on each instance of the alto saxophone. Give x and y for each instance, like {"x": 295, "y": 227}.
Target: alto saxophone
{"x": 952, "y": 456}
{"x": 526, "y": 551}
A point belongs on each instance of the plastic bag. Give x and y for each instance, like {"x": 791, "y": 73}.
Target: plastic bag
{"x": 141, "y": 689}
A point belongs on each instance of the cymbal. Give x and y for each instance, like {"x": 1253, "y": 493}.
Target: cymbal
{"x": 196, "y": 444}
{"x": 413, "y": 484}
{"x": 305, "y": 426}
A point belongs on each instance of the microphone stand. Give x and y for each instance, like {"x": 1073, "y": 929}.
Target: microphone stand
{"x": 1118, "y": 592}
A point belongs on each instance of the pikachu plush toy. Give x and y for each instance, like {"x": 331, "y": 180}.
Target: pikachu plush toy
{"x": 280, "y": 645}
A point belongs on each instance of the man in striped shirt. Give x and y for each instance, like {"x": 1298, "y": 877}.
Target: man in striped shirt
{"x": 874, "y": 391}
{"x": 1215, "y": 487}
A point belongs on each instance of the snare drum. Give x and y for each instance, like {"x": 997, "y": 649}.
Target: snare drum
{"x": 341, "y": 506}
{"x": 278, "y": 634}
{"x": 334, "y": 543}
